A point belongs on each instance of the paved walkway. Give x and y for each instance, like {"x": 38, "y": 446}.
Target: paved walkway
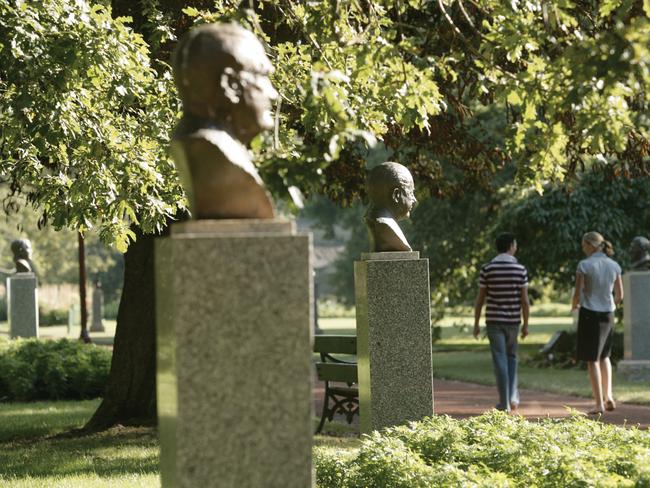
{"x": 462, "y": 400}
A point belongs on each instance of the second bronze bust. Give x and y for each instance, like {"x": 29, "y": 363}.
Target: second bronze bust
{"x": 391, "y": 193}
{"x": 222, "y": 75}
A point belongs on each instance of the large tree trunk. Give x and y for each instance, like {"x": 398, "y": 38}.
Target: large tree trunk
{"x": 130, "y": 396}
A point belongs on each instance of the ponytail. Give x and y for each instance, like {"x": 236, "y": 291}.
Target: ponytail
{"x": 607, "y": 248}
{"x": 598, "y": 242}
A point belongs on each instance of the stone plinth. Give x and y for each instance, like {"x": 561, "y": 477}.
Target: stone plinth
{"x": 97, "y": 324}
{"x": 393, "y": 339}
{"x": 234, "y": 305}
{"x": 22, "y": 305}
{"x": 636, "y": 362}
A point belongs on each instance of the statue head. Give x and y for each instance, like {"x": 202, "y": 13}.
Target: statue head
{"x": 222, "y": 75}
{"x": 22, "y": 249}
{"x": 390, "y": 187}
{"x": 639, "y": 249}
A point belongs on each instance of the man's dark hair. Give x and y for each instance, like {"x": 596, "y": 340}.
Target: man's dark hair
{"x": 504, "y": 241}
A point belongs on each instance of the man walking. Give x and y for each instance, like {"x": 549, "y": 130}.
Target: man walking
{"x": 504, "y": 283}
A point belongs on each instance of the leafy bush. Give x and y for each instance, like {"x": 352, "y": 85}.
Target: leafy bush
{"x": 54, "y": 316}
{"x": 493, "y": 450}
{"x": 52, "y": 370}
{"x": 111, "y": 308}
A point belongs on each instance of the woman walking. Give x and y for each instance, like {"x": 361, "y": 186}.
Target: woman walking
{"x": 597, "y": 276}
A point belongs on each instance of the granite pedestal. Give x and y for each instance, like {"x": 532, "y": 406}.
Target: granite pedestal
{"x": 97, "y": 324}
{"x": 393, "y": 339}
{"x": 22, "y": 305}
{"x": 234, "y": 315}
{"x": 636, "y": 362}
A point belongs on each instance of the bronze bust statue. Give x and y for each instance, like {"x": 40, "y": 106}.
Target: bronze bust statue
{"x": 390, "y": 191}
{"x": 222, "y": 75}
{"x": 640, "y": 254}
{"x": 22, "y": 251}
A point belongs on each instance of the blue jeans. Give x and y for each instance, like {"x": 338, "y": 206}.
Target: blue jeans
{"x": 503, "y": 344}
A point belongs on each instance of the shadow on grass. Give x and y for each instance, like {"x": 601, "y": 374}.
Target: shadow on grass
{"x": 37, "y": 419}
{"x": 118, "y": 451}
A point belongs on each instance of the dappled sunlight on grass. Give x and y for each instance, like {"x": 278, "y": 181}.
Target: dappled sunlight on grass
{"x": 32, "y": 455}
{"x": 122, "y": 456}
{"x": 43, "y": 418}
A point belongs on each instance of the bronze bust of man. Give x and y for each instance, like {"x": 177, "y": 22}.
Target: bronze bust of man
{"x": 640, "y": 254}
{"x": 222, "y": 75}
{"x": 22, "y": 251}
{"x": 390, "y": 191}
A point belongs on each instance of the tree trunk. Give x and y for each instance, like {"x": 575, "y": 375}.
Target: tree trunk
{"x": 83, "y": 308}
{"x": 130, "y": 396}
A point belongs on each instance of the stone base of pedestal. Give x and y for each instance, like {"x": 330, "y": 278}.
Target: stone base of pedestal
{"x": 634, "y": 370}
{"x": 97, "y": 327}
{"x": 636, "y": 315}
{"x": 393, "y": 339}
{"x": 22, "y": 305}
{"x": 234, "y": 354}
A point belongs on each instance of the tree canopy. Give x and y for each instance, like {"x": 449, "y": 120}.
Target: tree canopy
{"x": 84, "y": 119}
{"x": 457, "y": 90}
{"x": 567, "y": 79}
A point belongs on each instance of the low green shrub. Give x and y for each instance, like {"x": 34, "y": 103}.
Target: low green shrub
{"x": 493, "y": 450}
{"x": 110, "y": 309}
{"x": 31, "y": 369}
{"x": 54, "y": 316}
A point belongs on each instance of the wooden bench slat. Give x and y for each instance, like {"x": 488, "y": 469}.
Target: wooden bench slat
{"x": 337, "y": 372}
{"x": 335, "y": 344}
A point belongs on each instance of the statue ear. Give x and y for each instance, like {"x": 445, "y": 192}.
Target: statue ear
{"x": 396, "y": 195}
{"x": 231, "y": 86}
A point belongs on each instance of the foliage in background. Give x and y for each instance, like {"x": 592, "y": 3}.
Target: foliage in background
{"x": 549, "y": 227}
{"x": 493, "y": 450}
{"x": 85, "y": 120}
{"x": 457, "y": 234}
{"x": 52, "y": 370}
{"x": 56, "y": 252}
{"x": 567, "y": 79}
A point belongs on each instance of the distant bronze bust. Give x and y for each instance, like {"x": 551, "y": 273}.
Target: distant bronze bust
{"x": 222, "y": 75}
{"x": 22, "y": 251}
{"x": 390, "y": 190}
{"x": 640, "y": 254}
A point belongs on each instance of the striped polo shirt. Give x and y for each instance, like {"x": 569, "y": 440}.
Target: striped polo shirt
{"x": 503, "y": 277}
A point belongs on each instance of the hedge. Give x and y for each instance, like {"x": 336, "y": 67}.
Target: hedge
{"x": 32, "y": 369}
{"x": 493, "y": 450}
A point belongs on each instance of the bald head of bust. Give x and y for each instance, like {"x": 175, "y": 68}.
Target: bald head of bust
{"x": 391, "y": 193}
{"x": 222, "y": 75}
{"x": 640, "y": 253}
{"x": 390, "y": 187}
{"x": 22, "y": 251}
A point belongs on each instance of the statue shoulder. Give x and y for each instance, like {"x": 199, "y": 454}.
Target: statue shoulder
{"x": 386, "y": 234}
{"x": 23, "y": 266}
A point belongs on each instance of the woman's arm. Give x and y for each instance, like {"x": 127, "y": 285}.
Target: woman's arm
{"x": 478, "y": 307}
{"x": 580, "y": 279}
{"x": 618, "y": 290}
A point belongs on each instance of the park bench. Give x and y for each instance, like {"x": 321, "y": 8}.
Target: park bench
{"x": 339, "y": 372}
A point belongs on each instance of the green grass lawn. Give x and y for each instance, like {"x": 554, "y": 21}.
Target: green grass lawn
{"x": 458, "y": 356}
{"x": 32, "y": 456}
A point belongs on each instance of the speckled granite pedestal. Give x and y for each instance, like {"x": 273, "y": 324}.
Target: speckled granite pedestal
{"x": 636, "y": 362}
{"x": 393, "y": 339}
{"x": 234, "y": 355}
{"x": 22, "y": 305}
